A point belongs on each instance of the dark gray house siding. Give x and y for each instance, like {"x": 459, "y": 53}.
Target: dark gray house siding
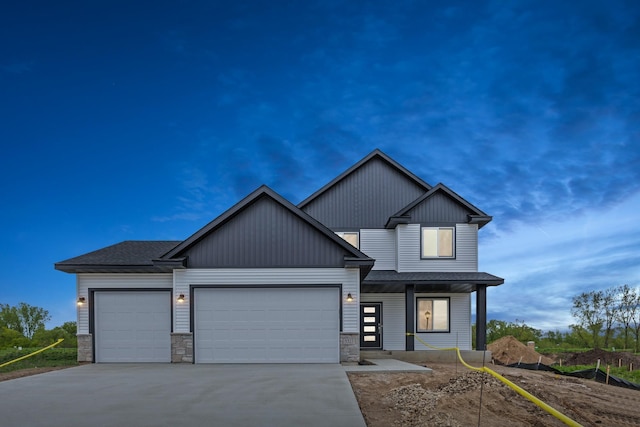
{"x": 264, "y": 234}
{"x": 439, "y": 208}
{"x": 365, "y": 198}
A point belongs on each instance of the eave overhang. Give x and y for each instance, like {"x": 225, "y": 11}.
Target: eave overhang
{"x": 88, "y": 268}
{"x": 454, "y": 282}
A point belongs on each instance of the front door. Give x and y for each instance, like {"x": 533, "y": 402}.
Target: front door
{"x": 371, "y": 325}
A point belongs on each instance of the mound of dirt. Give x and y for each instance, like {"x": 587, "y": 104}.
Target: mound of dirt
{"x": 417, "y": 404}
{"x": 508, "y": 350}
{"x": 606, "y": 358}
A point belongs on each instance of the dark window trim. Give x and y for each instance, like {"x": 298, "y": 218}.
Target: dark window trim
{"x": 454, "y": 242}
{"x": 440, "y": 331}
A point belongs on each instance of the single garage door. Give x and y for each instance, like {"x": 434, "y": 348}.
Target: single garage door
{"x": 267, "y": 325}
{"x": 132, "y": 326}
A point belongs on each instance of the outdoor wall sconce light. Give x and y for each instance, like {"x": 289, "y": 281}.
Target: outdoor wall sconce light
{"x": 80, "y": 301}
{"x": 349, "y": 297}
{"x": 181, "y": 298}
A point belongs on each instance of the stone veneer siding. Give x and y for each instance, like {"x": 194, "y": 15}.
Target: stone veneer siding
{"x": 85, "y": 348}
{"x": 349, "y": 347}
{"x": 181, "y": 347}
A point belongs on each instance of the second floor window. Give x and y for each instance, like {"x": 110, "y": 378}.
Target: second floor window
{"x": 351, "y": 237}
{"x": 438, "y": 242}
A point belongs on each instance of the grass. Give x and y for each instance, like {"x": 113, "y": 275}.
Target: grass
{"x": 624, "y": 373}
{"x": 51, "y": 357}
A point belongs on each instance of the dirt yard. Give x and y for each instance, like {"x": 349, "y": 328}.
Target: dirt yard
{"x": 4, "y": 376}
{"x": 451, "y": 396}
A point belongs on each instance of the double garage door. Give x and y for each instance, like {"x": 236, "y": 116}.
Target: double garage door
{"x": 231, "y": 325}
{"x": 267, "y": 325}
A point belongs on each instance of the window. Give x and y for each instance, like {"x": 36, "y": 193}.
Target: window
{"x": 432, "y": 315}
{"x": 351, "y": 237}
{"x": 437, "y": 242}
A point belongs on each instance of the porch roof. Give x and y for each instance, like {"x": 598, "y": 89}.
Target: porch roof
{"x": 388, "y": 281}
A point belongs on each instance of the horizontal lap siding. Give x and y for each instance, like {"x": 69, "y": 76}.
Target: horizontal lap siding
{"x": 408, "y": 241}
{"x": 381, "y": 246}
{"x": 348, "y": 278}
{"x": 84, "y": 282}
{"x": 393, "y": 319}
{"x": 460, "y": 327}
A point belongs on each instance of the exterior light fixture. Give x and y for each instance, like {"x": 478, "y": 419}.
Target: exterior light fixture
{"x": 80, "y": 301}
{"x": 349, "y": 297}
{"x": 181, "y": 298}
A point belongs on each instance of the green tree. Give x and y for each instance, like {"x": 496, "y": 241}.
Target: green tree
{"x": 628, "y": 305}
{"x": 610, "y": 313}
{"x": 24, "y": 318}
{"x": 588, "y": 309}
{"x": 45, "y": 337}
{"x": 12, "y": 338}
{"x": 497, "y": 329}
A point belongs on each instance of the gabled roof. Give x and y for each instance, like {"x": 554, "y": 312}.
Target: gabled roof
{"x": 351, "y": 256}
{"x": 473, "y": 214}
{"x": 365, "y": 194}
{"x": 374, "y": 154}
{"x": 134, "y": 256}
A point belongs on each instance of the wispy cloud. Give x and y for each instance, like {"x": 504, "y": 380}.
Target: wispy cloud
{"x": 557, "y": 260}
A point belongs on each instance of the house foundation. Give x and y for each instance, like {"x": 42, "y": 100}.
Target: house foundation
{"x": 182, "y": 347}
{"x": 349, "y": 347}
{"x": 85, "y": 348}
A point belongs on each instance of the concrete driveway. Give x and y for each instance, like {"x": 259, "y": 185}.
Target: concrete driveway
{"x": 182, "y": 395}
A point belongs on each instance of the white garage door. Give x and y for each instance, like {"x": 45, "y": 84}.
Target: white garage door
{"x": 132, "y": 326}
{"x": 267, "y": 325}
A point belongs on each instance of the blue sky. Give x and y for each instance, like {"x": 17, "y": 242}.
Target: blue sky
{"x": 145, "y": 120}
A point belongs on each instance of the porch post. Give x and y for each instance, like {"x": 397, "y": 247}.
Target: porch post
{"x": 409, "y": 315}
{"x": 481, "y": 317}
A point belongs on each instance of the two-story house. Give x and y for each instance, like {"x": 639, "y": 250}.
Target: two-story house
{"x": 373, "y": 255}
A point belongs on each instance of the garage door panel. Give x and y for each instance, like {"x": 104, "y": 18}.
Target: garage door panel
{"x": 276, "y": 325}
{"x": 132, "y": 326}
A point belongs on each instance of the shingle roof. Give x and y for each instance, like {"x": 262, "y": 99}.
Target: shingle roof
{"x": 428, "y": 281}
{"x": 135, "y": 255}
{"x": 425, "y": 277}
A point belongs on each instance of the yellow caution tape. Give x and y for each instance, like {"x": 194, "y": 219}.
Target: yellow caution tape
{"x": 522, "y": 392}
{"x": 31, "y": 354}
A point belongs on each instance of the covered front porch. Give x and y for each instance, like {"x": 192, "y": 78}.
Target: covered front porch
{"x": 433, "y": 305}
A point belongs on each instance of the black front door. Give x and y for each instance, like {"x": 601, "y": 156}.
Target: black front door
{"x": 371, "y": 325}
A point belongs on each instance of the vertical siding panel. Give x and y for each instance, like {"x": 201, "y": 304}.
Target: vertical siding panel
{"x": 409, "y": 250}
{"x": 365, "y": 198}
{"x": 265, "y": 234}
{"x": 381, "y": 246}
{"x": 393, "y": 319}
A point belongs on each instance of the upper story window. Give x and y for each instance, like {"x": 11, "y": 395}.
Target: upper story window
{"x": 352, "y": 237}
{"x": 438, "y": 242}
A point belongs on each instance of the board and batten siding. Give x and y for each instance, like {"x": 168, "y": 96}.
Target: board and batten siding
{"x": 348, "y": 278}
{"x": 380, "y": 244}
{"x": 460, "y": 324}
{"x": 408, "y": 243}
{"x": 393, "y": 318}
{"x": 86, "y": 281}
